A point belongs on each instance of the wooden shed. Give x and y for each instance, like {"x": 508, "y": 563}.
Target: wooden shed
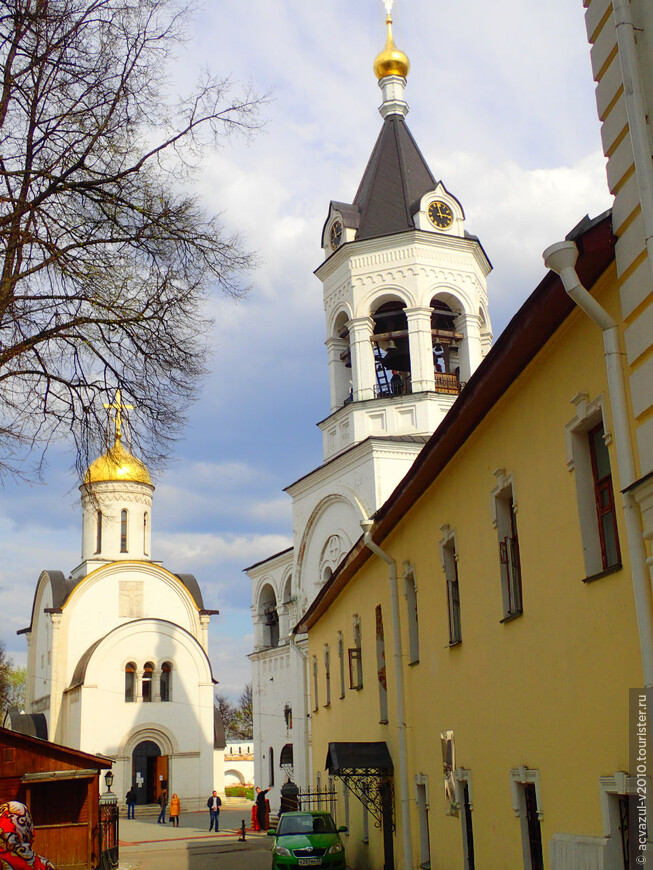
{"x": 61, "y": 788}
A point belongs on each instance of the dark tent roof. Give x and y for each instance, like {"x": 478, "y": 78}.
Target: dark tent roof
{"x": 29, "y": 724}
{"x": 395, "y": 180}
{"x": 362, "y": 756}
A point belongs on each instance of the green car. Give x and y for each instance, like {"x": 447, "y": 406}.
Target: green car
{"x": 307, "y": 840}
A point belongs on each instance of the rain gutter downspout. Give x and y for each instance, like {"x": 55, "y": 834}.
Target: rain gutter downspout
{"x": 305, "y": 720}
{"x": 399, "y": 683}
{"x": 561, "y": 258}
{"x": 636, "y": 115}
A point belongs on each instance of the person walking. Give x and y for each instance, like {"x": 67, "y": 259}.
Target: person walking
{"x": 130, "y": 797}
{"x": 261, "y": 808}
{"x": 163, "y": 803}
{"x": 214, "y": 803}
{"x": 175, "y": 809}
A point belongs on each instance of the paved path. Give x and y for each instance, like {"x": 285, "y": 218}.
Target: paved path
{"x": 147, "y": 845}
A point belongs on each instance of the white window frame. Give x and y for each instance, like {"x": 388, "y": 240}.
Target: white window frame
{"x": 410, "y": 594}
{"x": 503, "y": 492}
{"x": 463, "y": 777}
{"x": 588, "y": 415}
{"x": 521, "y": 776}
{"x": 449, "y": 561}
{"x": 422, "y": 781}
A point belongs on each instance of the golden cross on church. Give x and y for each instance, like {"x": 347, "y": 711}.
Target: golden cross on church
{"x": 119, "y": 406}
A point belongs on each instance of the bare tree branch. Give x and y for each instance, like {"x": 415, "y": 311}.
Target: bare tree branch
{"x": 105, "y": 261}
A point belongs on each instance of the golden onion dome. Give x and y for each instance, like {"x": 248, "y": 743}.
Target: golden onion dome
{"x": 391, "y": 61}
{"x": 117, "y": 464}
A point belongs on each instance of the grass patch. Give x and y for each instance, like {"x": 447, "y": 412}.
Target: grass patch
{"x": 240, "y": 791}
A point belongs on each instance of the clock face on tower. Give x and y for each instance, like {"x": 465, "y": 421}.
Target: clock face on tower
{"x": 440, "y": 214}
{"x": 336, "y": 235}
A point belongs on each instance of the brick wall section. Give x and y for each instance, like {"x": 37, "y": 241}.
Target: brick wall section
{"x": 629, "y": 172}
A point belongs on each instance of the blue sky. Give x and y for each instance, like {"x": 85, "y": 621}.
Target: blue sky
{"x": 502, "y": 106}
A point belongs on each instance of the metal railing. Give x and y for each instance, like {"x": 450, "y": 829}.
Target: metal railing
{"x": 108, "y": 831}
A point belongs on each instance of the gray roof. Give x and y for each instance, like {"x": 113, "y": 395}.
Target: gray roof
{"x": 30, "y": 724}
{"x": 394, "y": 181}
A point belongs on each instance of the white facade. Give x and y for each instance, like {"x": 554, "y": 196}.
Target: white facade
{"x": 413, "y": 294}
{"x": 239, "y": 763}
{"x": 117, "y": 651}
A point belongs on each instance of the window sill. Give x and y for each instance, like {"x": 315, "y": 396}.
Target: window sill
{"x": 327, "y": 706}
{"x": 454, "y": 643}
{"x": 612, "y": 570}
{"x": 356, "y": 688}
{"x": 510, "y": 616}
{"x": 383, "y": 721}
{"x": 413, "y": 663}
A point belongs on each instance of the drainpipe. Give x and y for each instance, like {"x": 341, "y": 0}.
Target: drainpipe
{"x": 561, "y": 258}
{"x": 366, "y": 525}
{"x": 305, "y": 720}
{"x": 637, "y": 116}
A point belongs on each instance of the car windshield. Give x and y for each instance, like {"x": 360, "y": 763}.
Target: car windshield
{"x": 305, "y": 824}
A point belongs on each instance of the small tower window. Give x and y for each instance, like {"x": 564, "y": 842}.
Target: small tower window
{"x": 123, "y": 531}
{"x": 130, "y": 681}
{"x": 146, "y": 521}
{"x": 148, "y": 670}
{"x": 98, "y": 531}
{"x": 166, "y": 678}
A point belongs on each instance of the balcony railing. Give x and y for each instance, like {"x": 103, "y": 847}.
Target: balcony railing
{"x": 445, "y": 382}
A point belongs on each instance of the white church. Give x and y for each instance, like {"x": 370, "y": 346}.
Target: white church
{"x": 117, "y": 648}
{"x": 407, "y": 323}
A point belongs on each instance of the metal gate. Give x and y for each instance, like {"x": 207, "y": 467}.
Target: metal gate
{"x": 318, "y": 799}
{"x": 108, "y": 832}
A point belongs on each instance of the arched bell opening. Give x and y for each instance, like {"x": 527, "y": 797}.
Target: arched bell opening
{"x": 340, "y": 362}
{"x": 446, "y": 342}
{"x": 267, "y": 609}
{"x": 391, "y": 350}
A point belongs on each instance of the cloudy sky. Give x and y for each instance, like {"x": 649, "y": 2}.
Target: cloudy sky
{"x": 502, "y": 106}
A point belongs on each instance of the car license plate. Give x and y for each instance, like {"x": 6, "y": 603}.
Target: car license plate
{"x": 309, "y": 862}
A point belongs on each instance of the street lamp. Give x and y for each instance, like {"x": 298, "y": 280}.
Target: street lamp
{"x": 108, "y": 779}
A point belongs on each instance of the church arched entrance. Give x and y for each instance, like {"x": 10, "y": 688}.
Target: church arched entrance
{"x": 149, "y": 772}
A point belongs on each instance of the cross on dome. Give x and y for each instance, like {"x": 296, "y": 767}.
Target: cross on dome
{"x": 119, "y": 406}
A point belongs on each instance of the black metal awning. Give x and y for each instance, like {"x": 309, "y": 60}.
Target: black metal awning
{"x": 366, "y": 757}
{"x": 366, "y": 769}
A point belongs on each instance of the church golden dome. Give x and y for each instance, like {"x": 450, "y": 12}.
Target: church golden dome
{"x": 117, "y": 464}
{"x": 391, "y": 61}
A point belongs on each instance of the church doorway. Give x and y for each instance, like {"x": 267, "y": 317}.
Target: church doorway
{"x": 149, "y": 772}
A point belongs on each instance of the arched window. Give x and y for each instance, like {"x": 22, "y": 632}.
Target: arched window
{"x": 130, "y": 681}
{"x": 166, "y": 681}
{"x": 148, "y": 669}
{"x": 98, "y": 531}
{"x": 146, "y": 520}
{"x": 270, "y": 617}
{"x": 123, "y": 531}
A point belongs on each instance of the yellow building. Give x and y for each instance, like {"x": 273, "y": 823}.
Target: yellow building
{"x": 499, "y": 697}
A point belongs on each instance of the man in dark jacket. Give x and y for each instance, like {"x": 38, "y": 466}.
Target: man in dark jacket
{"x": 261, "y": 808}
{"x": 163, "y": 803}
{"x": 214, "y": 803}
{"x": 131, "y": 802}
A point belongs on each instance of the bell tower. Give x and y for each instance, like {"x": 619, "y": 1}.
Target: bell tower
{"x": 404, "y": 283}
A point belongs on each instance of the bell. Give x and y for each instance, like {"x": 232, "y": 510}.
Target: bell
{"x": 397, "y": 359}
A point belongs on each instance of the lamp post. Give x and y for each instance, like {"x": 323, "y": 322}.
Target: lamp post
{"x": 108, "y": 779}
{"x": 108, "y": 827}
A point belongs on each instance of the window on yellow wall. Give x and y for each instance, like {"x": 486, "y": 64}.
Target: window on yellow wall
{"x": 450, "y": 565}
{"x": 604, "y": 498}
{"x": 380, "y": 667}
{"x": 588, "y": 457}
{"x": 505, "y": 515}
{"x": 341, "y": 663}
{"x": 327, "y": 675}
{"x": 356, "y": 659}
{"x": 410, "y": 592}
{"x": 315, "y": 701}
